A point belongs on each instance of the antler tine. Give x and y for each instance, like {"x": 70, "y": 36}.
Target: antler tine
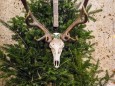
{"x": 80, "y": 20}
{"x": 35, "y": 23}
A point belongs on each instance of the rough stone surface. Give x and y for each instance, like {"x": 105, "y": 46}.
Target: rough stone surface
{"x": 8, "y": 9}
{"x": 103, "y": 30}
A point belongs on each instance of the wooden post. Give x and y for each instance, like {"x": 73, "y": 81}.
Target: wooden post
{"x": 55, "y": 13}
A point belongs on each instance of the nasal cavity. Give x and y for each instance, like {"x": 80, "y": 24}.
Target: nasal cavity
{"x": 56, "y": 63}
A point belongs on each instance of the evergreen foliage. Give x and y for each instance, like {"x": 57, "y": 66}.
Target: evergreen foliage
{"x": 30, "y": 63}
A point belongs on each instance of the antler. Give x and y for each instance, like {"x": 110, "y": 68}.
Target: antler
{"x": 80, "y": 20}
{"x": 35, "y": 23}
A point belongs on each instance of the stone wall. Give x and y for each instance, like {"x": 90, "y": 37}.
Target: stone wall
{"x": 8, "y": 9}
{"x": 103, "y": 29}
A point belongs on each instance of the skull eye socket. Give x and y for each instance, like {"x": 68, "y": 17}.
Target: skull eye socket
{"x": 52, "y": 44}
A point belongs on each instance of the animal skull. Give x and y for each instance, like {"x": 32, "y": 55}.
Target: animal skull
{"x": 56, "y": 43}
{"x": 56, "y": 46}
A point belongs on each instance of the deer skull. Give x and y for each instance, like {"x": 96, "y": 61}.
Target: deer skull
{"x": 56, "y": 46}
{"x": 56, "y": 43}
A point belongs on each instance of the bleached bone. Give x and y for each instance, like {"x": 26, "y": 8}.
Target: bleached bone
{"x": 56, "y": 46}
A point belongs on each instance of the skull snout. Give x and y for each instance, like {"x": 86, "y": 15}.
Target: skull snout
{"x": 57, "y": 58}
{"x": 56, "y": 64}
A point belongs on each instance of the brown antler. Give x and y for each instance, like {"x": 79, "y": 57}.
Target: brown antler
{"x": 80, "y": 20}
{"x": 35, "y": 23}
